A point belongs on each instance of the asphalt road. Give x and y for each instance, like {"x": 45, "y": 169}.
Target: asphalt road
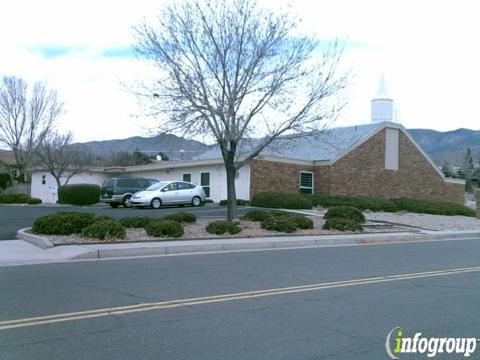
{"x": 347, "y": 322}
{"x": 16, "y": 217}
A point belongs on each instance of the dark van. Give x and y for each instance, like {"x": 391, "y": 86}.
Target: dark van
{"x": 119, "y": 190}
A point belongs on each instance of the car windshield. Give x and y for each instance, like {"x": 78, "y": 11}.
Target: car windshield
{"x": 157, "y": 186}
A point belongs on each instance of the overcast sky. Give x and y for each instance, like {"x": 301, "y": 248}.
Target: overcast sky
{"x": 428, "y": 51}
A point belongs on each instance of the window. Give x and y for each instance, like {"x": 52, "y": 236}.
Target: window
{"x": 306, "y": 182}
{"x": 44, "y": 179}
{"x": 187, "y": 177}
{"x": 205, "y": 182}
{"x": 172, "y": 187}
{"x": 185, "y": 186}
{"x": 237, "y": 175}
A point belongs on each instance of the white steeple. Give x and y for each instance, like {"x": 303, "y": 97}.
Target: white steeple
{"x": 382, "y": 104}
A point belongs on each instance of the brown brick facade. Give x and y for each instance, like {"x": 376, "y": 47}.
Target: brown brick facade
{"x": 362, "y": 173}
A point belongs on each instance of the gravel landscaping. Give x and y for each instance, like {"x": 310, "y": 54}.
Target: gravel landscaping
{"x": 197, "y": 231}
{"x": 428, "y": 222}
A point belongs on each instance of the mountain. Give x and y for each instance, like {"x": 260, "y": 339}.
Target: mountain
{"x": 166, "y": 143}
{"x": 450, "y": 145}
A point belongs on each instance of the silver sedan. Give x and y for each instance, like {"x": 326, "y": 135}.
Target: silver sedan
{"x": 169, "y": 193}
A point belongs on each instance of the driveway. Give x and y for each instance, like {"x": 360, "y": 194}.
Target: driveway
{"x": 14, "y": 217}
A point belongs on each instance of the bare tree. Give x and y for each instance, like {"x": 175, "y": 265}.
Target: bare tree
{"x": 231, "y": 70}
{"x": 27, "y": 114}
{"x": 60, "y": 158}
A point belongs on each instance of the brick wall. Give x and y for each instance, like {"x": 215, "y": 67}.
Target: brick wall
{"x": 362, "y": 172}
{"x": 275, "y": 176}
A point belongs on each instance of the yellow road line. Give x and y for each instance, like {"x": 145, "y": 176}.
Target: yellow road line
{"x": 121, "y": 310}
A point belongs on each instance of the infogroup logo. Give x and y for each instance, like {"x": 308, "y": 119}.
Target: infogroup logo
{"x": 397, "y": 343}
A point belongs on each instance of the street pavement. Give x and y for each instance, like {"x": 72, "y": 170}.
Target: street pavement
{"x": 340, "y": 322}
{"x": 16, "y": 217}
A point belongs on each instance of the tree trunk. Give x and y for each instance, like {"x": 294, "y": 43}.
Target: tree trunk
{"x": 231, "y": 193}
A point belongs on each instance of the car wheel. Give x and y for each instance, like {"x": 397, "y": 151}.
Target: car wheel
{"x": 196, "y": 201}
{"x": 156, "y": 203}
{"x": 113, "y": 205}
{"x": 126, "y": 201}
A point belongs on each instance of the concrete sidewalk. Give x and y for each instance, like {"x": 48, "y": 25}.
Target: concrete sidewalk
{"x": 20, "y": 252}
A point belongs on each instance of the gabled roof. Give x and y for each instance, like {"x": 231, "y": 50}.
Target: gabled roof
{"x": 7, "y": 158}
{"x": 324, "y": 146}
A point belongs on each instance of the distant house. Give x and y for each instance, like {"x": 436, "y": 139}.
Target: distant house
{"x": 7, "y": 161}
{"x": 379, "y": 159}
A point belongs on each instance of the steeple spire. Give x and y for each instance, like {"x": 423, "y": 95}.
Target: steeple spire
{"x": 382, "y": 104}
{"x": 382, "y": 88}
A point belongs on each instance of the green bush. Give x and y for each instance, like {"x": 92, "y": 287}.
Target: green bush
{"x": 361, "y": 202}
{"x": 301, "y": 222}
{"x": 240, "y": 202}
{"x": 105, "y": 230}
{"x": 164, "y": 228}
{"x": 181, "y": 217}
{"x": 221, "y": 227}
{"x": 345, "y": 212}
{"x": 34, "y": 201}
{"x": 5, "y": 180}
{"x": 63, "y": 223}
{"x": 14, "y": 198}
{"x": 432, "y": 207}
{"x": 79, "y": 194}
{"x": 256, "y": 215}
{"x": 104, "y": 217}
{"x": 342, "y": 224}
{"x": 279, "y": 223}
{"x": 278, "y": 200}
{"x": 135, "y": 221}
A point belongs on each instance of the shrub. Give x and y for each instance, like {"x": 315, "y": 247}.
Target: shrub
{"x": 282, "y": 200}
{"x": 256, "y": 215}
{"x": 240, "y": 202}
{"x": 34, "y": 201}
{"x": 63, "y": 223}
{"x": 342, "y": 224}
{"x": 79, "y": 194}
{"x": 163, "y": 228}
{"x": 222, "y": 227}
{"x": 432, "y": 207}
{"x": 135, "y": 221}
{"x": 279, "y": 223}
{"x": 345, "y": 212}
{"x": 104, "y": 217}
{"x": 105, "y": 230}
{"x": 14, "y": 198}
{"x": 301, "y": 222}
{"x": 5, "y": 180}
{"x": 361, "y": 202}
{"x": 181, "y": 217}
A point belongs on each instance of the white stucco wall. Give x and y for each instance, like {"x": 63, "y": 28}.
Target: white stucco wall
{"x": 48, "y": 191}
{"x": 218, "y": 180}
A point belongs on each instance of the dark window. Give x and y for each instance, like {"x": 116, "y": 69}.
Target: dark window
{"x": 183, "y": 186}
{"x": 109, "y": 183}
{"x": 205, "y": 182}
{"x": 172, "y": 187}
{"x": 306, "y": 182}
{"x": 44, "y": 179}
{"x": 187, "y": 177}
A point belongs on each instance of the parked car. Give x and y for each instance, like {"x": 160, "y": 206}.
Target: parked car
{"x": 169, "y": 193}
{"x": 118, "y": 191}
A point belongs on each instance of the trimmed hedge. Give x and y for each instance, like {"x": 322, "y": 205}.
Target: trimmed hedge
{"x": 342, "y": 224}
{"x": 164, "y": 228}
{"x": 301, "y": 222}
{"x": 79, "y": 194}
{"x": 279, "y": 200}
{"x": 14, "y": 198}
{"x": 432, "y": 207}
{"x": 279, "y": 223}
{"x": 361, "y": 202}
{"x": 34, "y": 201}
{"x": 63, "y": 223}
{"x": 135, "y": 221}
{"x": 240, "y": 202}
{"x": 181, "y": 217}
{"x": 105, "y": 230}
{"x": 345, "y": 212}
{"x": 221, "y": 227}
{"x": 5, "y": 180}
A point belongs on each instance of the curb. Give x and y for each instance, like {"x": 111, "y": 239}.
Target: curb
{"x": 105, "y": 251}
{"x": 40, "y": 241}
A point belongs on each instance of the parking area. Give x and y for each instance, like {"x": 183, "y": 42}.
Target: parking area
{"x": 14, "y": 217}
